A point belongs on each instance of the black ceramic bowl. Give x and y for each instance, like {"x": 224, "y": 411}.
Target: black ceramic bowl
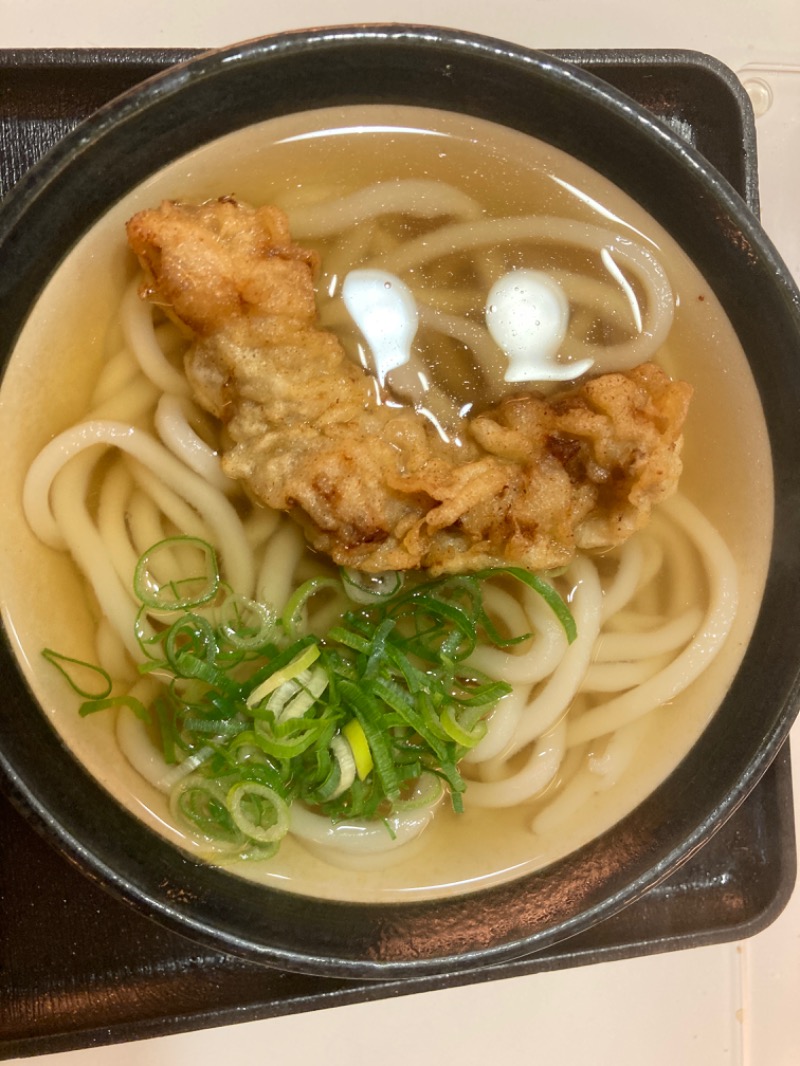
{"x": 561, "y": 104}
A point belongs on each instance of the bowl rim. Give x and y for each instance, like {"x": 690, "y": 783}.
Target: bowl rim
{"x": 438, "y": 917}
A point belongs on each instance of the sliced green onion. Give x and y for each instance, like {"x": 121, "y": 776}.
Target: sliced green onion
{"x": 369, "y": 588}
{"x": 165, "y": 720}
{"x": 427, "y": 792}
{"x": 80, "y": 674}
{"x": 184, "y": 768}
{"x": 284, "y": 694}
{"x": 258, "y": 811}
{"x": 200, "y": 801}
{"x": 289, "y": 745}
{"x": 353, "y": 733}
{"x": 245, "y": 623}
{"x": 369, "y": 719}
{"x": 303, "y": 692}
{"x": 293, "y": 617}
{"x": 366, "y": 720}
{"x": 349, "y": 639}
{"x": 301, "y": 662}
{"x": 540, "y": 587}
{"x": 274, "y": 658}
{"x": 346, "y": 765}
{"x": 193, "y": 636}
{"x": 191, "y": 574}
{"x": 465, "y": 737}
{"x": 114, "y": 703}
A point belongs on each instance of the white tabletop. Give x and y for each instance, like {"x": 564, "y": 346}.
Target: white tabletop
{"x": 734, "y": 1004}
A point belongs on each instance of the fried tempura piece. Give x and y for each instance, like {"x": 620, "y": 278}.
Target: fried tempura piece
{"x": 211, "y": 263}
{"x": 374, "y": 485}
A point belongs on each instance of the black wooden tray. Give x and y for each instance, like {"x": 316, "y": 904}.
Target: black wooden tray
{"x": 77, "y": 967}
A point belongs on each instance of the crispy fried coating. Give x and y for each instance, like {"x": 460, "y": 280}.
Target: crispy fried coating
{"x": 372, "y": 483}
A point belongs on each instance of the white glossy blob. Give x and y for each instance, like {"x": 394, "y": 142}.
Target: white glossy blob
{"x": 527, "y": 314}
{"x": 383, "y": 308}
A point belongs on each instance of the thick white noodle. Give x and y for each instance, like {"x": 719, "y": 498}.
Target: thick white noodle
{"x": 618, "y": 676}
{"x": 458, "y": 302}
{"x": 541, "y": 655}
{"x": 168, "y": 504}
{"x": 654, "y": 552}
{"x": 175, "y": 430}
{"x": 693, "y": 660}
{"x": 140, "y": 336}
{"x": 618, "y": 250}
{"x": 275, "y": 581}
{"x": 117, "y": 372}
{"x": 260, "y": 525}
{"x": 673, "y": 634}
{"x": 113, "y": 507}
{"x": 626, "y": 580}
{"x": 220, "y": 515}
{"x": 595, "y": 296}
{"x": 685, "y": 568}
{"x": 112, "y": 654}
{"x": 548, "y": 706}
{"x": 145, "y": 523}
{"x": 420, "y": 198}
{"x": 538, "y": 770}
{"x": 134, "y": 738}
{"x": 359, "y": 836}
{"x": 598, "y": 774}
{"x": 473, "y": 336}
{"x": 132, "y": 403}
{"x": 507, "y": 610}
{"x": 540, "y": 721}
{"x": 86, "y": 546}
{"x": 608, "y": 765}
{"x": 522, "y": 669}
{"x": 502, "y": 724}
{"x": 351, "y": 248}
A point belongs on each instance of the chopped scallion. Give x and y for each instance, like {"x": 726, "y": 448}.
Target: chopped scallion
{"x": 365, "y": 719}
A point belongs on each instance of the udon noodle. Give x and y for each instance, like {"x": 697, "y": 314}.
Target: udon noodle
{"x": 141, "y": 463}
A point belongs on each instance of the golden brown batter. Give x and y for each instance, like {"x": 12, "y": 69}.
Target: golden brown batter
{"x": 374, "y": 485}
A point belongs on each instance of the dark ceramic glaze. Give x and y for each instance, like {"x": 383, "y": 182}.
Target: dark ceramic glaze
{"x": 217, "y": 93}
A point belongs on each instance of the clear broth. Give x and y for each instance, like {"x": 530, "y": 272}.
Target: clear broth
{"x": 50, "y": 376}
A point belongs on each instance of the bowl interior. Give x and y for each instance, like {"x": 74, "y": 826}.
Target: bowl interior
{"x": 223, "y": 92}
